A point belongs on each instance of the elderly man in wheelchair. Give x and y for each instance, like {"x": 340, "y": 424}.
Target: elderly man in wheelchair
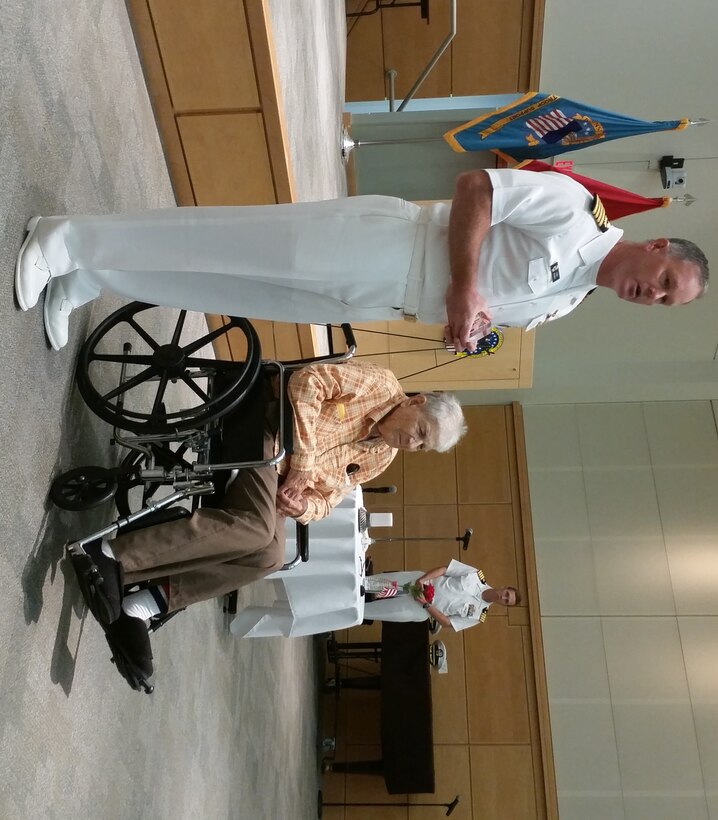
{"x": 325, "y": 428}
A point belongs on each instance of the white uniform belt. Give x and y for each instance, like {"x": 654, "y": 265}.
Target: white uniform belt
{"x": 415, "y": 276}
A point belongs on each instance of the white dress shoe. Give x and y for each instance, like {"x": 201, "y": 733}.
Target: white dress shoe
{"x": 32, "y": 273}
{"x": 57, "y": 314}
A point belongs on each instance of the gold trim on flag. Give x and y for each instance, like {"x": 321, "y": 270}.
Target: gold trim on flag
{"x": 453, "y": 142}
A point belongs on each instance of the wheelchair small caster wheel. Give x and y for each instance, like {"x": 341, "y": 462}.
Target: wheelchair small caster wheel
{"x": 83, "y": 488}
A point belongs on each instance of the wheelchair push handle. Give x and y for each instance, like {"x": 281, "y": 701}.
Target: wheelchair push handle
{"x": 349, "y": 339}
{"x": 332, "y": 358}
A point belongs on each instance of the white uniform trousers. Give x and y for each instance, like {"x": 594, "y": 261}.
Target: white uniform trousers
{"x": 339, "y": 260}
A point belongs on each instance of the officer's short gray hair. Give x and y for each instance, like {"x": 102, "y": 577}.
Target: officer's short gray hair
{"x": 448, "y": 420}
{"x": 690, "y": 252}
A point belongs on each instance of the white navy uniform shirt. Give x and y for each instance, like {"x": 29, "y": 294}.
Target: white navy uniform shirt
{"x": 457, "y": 594}
{"x": 539, "y": 259}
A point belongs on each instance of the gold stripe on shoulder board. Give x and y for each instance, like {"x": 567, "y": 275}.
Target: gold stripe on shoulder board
{"x": 598, "y": 212}
{"x": 482, "y": 578}
{"x": 482, "y": 617}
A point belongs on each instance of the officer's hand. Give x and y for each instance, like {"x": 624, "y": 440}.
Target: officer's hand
{"x": 463, "y": 306}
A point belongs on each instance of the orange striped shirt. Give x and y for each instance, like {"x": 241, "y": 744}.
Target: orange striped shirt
{"x": 335, "y": 408}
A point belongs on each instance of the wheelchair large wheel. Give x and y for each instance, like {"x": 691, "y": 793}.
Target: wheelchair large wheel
{"x": 83, "y": 488}
{"x": 142, "y": 369}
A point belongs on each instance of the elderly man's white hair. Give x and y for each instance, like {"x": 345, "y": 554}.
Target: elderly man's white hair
{"x": 448, "y": 417}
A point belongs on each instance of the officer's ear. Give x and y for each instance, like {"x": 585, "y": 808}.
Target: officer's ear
{"x": 657, "y": 244}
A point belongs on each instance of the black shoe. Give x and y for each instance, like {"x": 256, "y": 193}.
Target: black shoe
{"x": 129, "y": 639}
{"x": 101, "y": 581}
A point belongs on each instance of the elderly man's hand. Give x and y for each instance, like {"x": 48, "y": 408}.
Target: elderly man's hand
{"x": 296, "y": 481}
{"x": 467, "y": 313}
{"x": 290, "y": 503}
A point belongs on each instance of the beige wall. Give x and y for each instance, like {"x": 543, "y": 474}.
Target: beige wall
{"x": 651, "y": 60}
{"x": 625, "y": 508}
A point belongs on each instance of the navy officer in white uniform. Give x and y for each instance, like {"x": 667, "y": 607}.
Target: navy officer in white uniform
{"x": 514, "y": 248}
{"x": 461, "y": 596}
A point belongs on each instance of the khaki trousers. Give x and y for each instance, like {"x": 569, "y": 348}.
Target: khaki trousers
{"x": 214, "y": 551}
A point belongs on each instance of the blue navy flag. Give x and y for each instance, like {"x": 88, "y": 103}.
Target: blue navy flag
{"x": 543, "y": 125}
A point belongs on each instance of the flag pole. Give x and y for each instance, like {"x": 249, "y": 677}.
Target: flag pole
{"x": 348, "y": 144}
{"x": 686, "y": 199}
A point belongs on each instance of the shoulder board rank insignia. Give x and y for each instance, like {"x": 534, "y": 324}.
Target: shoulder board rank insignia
{"x": 482, "y": 617}
{"x": 598, "y": 212}
{"x": 481, "y": 576}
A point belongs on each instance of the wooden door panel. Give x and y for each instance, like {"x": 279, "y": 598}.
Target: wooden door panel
{"x": 227, "y": 158}
{"x": 502, "y": 783}
{"x": 206, "y": 54}
{"x": 497, "y": 697}
{"x": 409, "y": 44}
{"x": 486, "y": 52}
{"x": 482, "y": 459}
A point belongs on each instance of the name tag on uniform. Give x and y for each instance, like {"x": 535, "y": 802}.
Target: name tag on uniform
{"x": 555, "y": 275}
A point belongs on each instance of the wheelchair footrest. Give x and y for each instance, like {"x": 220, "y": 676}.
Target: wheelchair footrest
{"x": 129, "y": 642}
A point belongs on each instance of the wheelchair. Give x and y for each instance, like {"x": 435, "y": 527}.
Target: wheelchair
{"x": 183, "y": 415}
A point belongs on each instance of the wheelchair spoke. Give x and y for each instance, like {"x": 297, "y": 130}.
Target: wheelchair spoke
{"x": 121, "y": 358}
{"x": 142, "y": 332}
{"x": 161, "y": 387}
{"x": 190, "y": 382}
{"x": 178, "y": 327}
{"x": 194, "y": 346}
{"x": 140, "y": 378}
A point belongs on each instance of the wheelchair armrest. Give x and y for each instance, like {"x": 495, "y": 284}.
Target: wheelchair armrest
{"x": 302, "y": 553}
{"x": 332, "y": 358}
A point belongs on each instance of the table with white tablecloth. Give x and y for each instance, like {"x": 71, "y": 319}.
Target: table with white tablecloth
{"x": 322, "y": 594}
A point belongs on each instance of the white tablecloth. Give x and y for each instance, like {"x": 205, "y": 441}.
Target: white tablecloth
{"x": 325, "y": 592}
